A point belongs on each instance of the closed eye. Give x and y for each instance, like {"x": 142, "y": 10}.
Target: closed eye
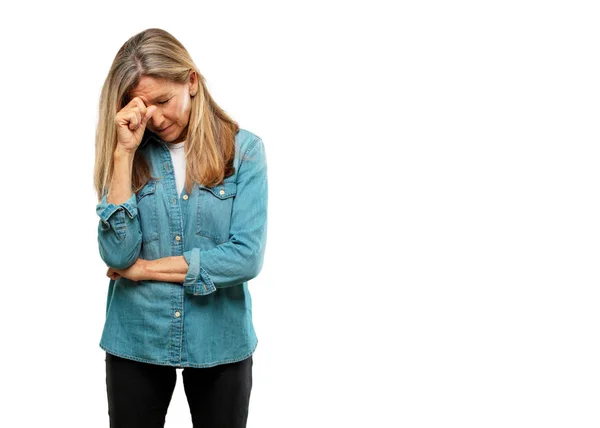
{"x": 163, "y": 102}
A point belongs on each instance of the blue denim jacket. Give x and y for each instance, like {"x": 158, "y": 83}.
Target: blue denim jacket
{"x": 221, "y": 231}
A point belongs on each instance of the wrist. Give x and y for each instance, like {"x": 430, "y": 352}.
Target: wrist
{"x": 148, "y": 269}
{"x": 121, "y": 153}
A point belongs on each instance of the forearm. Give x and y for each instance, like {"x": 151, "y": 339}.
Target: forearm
{"x": 167, "y": 269}
{"x": 120, "y": 184}
{"x": 119, "y": 232}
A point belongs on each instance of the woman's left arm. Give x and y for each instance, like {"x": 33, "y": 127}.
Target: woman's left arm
{"x": 241, "y": 258}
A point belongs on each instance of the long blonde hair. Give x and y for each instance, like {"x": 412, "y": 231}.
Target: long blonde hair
{"x": 210, "y": 140}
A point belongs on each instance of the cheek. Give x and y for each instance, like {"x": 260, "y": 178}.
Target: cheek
{"x": 183, "y": 111}
{"x": 174, "y": 110}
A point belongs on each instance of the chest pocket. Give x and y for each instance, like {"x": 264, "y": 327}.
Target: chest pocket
{"x": 213, "y": 217}
{"x": 147, "y": 203}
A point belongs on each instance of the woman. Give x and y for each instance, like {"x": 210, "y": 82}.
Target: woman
{"x": 182, "y": 196}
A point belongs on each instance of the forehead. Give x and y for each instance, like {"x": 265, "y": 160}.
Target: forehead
{"x": 149, "y": 88}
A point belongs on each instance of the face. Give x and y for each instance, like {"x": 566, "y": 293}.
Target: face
{"x": 173, "y": 102}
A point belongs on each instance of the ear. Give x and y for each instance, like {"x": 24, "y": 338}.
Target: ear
{"x": 193, "y": 83}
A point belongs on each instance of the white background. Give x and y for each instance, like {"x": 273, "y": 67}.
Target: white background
{"x": 433, "y": 238}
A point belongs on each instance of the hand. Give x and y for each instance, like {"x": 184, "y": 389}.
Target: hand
{"x": 131, "y": 122}
{"x": 135, "y": 272}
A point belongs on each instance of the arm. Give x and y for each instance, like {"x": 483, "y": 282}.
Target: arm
{"x": 241, "y": 258}
{"x": 230, "y": 263}
{"x": 119, "y": 232}
{"x": 165, "y": 269}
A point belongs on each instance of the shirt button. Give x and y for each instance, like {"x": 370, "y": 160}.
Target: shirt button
{"x": 178, "y": 238}
{"x": 221, "y": 192}
{"x": 177, "y": 314}
{"x": 185, "y": 197}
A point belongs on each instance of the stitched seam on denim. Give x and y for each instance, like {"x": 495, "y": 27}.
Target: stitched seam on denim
{"x": 131, "y": 357}
{"x": 191, "y": 287}
{"x": 171, "y": 181}
{"x": 207, "y": 233}
{"x": 166, "y": 363}
{"x": 228, "y": 194}
{"x": 120, "y": 226}
{"x": 153, "y": 234}
{"x": 182, "y": 294}
{"x": 208, "y": 280}
{"x": 182, "y": 323}
{"x": 131, "y": 211}
{"x": 107, "y": 212}
{"x": 248, "y": 150}
{"x": 171, "y": 315}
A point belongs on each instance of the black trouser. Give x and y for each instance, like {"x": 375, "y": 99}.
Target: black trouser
{"x": 139, "y": 393}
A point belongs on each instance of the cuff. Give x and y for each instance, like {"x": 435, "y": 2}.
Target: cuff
{"x": 197, "y": 281}
{"x": 105, "y": 210}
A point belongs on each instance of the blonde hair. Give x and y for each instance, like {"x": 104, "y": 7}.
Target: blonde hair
{"x": 210, "y": 140}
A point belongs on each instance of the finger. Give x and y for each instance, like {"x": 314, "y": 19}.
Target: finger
{"x": 136, "y": 102}
{"x": 140, "y": 106}
{"x": 134, "y": 120}
{"x": 149, "y": 112}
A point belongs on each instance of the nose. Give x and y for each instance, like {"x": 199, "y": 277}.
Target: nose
{"x": 157, "y": 120}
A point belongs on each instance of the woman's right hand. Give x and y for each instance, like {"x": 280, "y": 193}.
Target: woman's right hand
{"x": 131, "y": 122}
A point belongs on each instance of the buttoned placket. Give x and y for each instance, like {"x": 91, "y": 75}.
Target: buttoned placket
{"x": 176, "y": 228}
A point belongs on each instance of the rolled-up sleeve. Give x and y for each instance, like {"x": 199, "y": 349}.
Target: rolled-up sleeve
{"x": 241, "y": 258}
{"x": 119, "y": 232}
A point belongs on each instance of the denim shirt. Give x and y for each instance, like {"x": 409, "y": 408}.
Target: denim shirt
{"x": 221, "y": 232}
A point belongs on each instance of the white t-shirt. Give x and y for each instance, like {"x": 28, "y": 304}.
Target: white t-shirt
{"x": 178, "y": 157}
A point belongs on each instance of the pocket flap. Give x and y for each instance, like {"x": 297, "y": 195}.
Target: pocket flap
{"x": 148, "y": 189}
{"x": 223, "y": 190}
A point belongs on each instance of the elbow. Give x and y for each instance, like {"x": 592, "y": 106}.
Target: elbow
{"x": 254, "y": 254}
{"x": 254, "y": 265}
{"x": 256, "y": 268}
{"x": 121, "y": 256}
{"x": 119, "y": 263}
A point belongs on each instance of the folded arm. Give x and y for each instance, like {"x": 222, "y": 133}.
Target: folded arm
{"x": 231, "y": 263}
{"x": 165, "y": 269}
{"x": 241, "y": 258}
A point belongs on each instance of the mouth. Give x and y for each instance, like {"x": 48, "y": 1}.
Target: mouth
{"x": 164, "y": 129}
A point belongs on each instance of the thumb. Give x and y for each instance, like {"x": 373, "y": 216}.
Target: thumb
{"x": 149, "y": 112}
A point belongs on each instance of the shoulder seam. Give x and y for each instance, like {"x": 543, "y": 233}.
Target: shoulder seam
{"x": 248, "y": 150}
